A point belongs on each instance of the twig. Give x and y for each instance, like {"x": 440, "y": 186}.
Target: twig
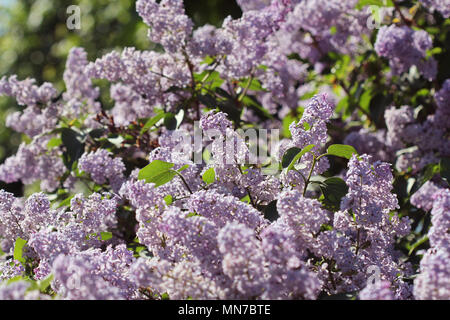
{"x": 407, "y": 21}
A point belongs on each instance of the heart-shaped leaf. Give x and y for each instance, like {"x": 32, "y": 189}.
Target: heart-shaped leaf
{"x": 333, "y": 189}
{"x": 158, "y": 172}
{"x": 209, "y": 176}
{"x": 341, "y": 150}
{"x": 292, "y": 155}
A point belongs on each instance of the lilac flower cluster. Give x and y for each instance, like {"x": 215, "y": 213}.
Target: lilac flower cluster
{"x": 378, "y": 291}
{"x": 32, "y": 120}
{"x": 308, "y": 28}
{"x": 424, "y": 197}
{"x": 94, "y": 275}
{"x": 365, "y": 141}
{"x": 409, "y": 142}
{"x": 26, "y": 92}
{"x": 310, "y": 130}
{"x": 103, "y": 168}
{"x": 80, "y": 96}
{"x": 33, "y": 162}
{"x": 405, "y": 47}
{"x": 167, "y": 21}
{"x": 145, "y": 77}
{"x": 443, "y": 6}
{"x": 419, "y": 143}
{"x": 432, "y": 283}
{"x": 366, "y": 225}
{"x": 227, "y": 262}
{"x": 433, "y": 279}
{"x": 20, "y": 290}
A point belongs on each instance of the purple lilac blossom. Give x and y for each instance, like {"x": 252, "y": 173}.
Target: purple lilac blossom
{"x": 405, "y": 47}
{"x": 103, "y": 168}
{"x": 443, "y": 6}
{"x": 168, "y": 24}
{"x": 433, "y": 281}
{"x": 424, "y": 197}
{"x": 378, "y": 291}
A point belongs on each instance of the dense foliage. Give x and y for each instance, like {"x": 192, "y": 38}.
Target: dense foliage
{"x": 300, "y": 151}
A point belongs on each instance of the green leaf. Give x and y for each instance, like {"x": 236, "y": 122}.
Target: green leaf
{"x": 174, "y": 89}
{"x": 14, "y": 279}
{"x": 289, "y": 155}
{"x": 158, "y": 172}
{"x": 444, "y": 169}
{"x": 183, "y": 168}
{"x": 306, "y": 126}
{"x": 333, "y": 30}
{"x": 430, "y": 171}
{"x": 152, "y": 121}
{"x": 74, "y": 146}
{"x": 286, "y": 123}
{"x": 170, "y": 121}
{"x": 293, "y": 155}
{"x": 246, "y": 199}
{"x": 154, "y": 168}
{"x": 163, "y": 178}
{"x": 208, "y": 100}
{"x": 271, "y": 212}
{"x": 105, "y": 235}
{"x": 208, "y": 60}
{"x": 379, "y": 3}
{"x": 305, "y": 150}
{"x": 434, "y": 51}
{"x": 341, "y": 150}
{"x": 308, "y": 95}
{"x": 251, "y": 103}
{"x": 18, "y": 250}
{"x": 179, "y": 116}
{"x": 333, "y": 190}
{"x": 378, "y": 104}
{"x": 192, "y": 214}
{"x": 364, "y": 100}
{"x": 223, "y": 93}
{"x": 400, "y": 185}
{"x": 255, "y": 85}
{"x": 65, "y": 202}
{"x": 206, "y": 155}
{"x": 165, "y": 296}
{"x": 342, "y": 67}
{"x": 416, "y": 244}
{"x": 209, "y": 176}
{"x": 427, "y": 174}
{"x": 96, "y": 133}
{"x": 342, "y": 106}
{"x": 263, "y": 67}
{"x": 45, "y": 283}
{"x": 54, "y": 142}
{"x": 168, "y": 199}
{"x": 229, "y": 107}
{"x": 210, "y": 78}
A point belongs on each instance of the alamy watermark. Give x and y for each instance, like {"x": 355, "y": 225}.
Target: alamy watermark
{"x": 73, "y": 21}
{"x": 374, "y": 274}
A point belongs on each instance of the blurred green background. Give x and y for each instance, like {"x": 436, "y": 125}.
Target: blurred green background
{"x": 34, "y": 41}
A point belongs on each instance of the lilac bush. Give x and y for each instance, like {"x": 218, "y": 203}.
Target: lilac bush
{"x": 292, "y": 153}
